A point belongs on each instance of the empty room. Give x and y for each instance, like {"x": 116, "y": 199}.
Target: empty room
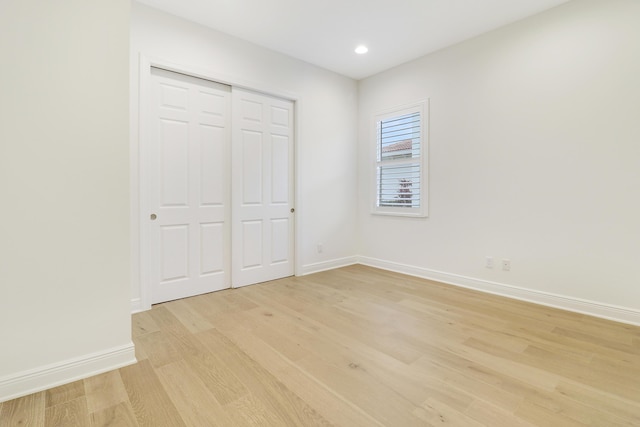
{"x": 337, "y": 213}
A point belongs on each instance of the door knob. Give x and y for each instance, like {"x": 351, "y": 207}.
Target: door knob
{"x": 153, "y": 217}
{"x": 292, "y": 210}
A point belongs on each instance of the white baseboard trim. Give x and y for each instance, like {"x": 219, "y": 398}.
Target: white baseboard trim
{"x": 45, "y": 377}
{"x": 327, "y": 265}
{"x": 136, "y": 305}
{"x": 591, "y": 308}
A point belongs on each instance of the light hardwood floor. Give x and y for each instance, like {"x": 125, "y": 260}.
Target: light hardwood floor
{"x": 356, "y": 347}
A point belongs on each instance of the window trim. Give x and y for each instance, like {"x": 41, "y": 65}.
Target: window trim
{"x": 421, "y": 107}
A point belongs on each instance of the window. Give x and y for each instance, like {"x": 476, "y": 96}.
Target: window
{"x": 401, "y": 150}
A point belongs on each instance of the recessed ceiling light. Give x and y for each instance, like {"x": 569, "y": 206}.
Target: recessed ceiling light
{"x": 361, "y": 50}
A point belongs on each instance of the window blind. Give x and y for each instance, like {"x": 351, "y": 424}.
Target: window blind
{"x": 398, "y": 169}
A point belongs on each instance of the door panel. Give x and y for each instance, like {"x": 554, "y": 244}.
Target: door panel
{"x": 174, "y": 168}
{"x": 174, "y": 249}
{"x": 279, "y": 169}
{"x": 188, "y": 186}
{"x": 279, "y": 240}
{"x": 262, "y": 183}
{"x": 251, "y": 142}
{"x": 212, "y": 249}
{"x": 251, "y": 244}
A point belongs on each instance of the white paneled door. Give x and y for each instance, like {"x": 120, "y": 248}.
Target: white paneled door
{"x": 188, "y": 180}
{"x": 262, "y": 188}
{"x": 218, "y": 187}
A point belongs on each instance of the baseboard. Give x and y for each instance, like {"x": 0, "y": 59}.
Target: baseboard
{"x": 136, "y": 305}
{"x": 45, "y": 377}
{"x": 327, "y": 265}
{"x": 591, "y": 308}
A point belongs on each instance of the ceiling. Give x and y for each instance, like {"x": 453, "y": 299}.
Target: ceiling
{"x": 326, "y": 32}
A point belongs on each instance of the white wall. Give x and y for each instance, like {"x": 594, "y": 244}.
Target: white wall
{"x": 327, "y": 123}
{"x": 534, "y": 157}
{"x": 64, "y": 187}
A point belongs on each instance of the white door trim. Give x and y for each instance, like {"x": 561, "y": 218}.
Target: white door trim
{"x": 140, "y": 209}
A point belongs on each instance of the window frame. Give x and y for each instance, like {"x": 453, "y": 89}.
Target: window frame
{"x": 422, "y": 108}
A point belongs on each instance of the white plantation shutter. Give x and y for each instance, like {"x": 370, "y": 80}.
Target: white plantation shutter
{"x": 400, "y": 158}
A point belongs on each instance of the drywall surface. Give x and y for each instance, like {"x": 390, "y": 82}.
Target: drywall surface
{"x": 64, "y": 186}
{"x": 534, "y": 157}
{"x": 326, "y": 123}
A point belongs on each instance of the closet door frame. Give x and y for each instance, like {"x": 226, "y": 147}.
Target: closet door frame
{"x": 140, "y": 204}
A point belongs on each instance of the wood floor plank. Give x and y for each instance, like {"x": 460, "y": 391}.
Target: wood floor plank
{"x": 587, "y": 336}
{"x": 511, "y": 367}
{"x": 176, "y": 334}
{"x": 252, "y": 411}
{"x": 601, "y": 400}
{"x": 440, "y": 413}
{"x": 263, "y": 385}
{"x": 120, "y": 415}
{"x": 64, "y": 393}
{"x": 386, "y": 369}
{"x": 447, "y": 321}
{"x": 330, "y": 405}
{"x": 541, "y": 416}
{"x": 142, "y": 323}
{"x": 557, "y": 362}
{"x": 104, "y": 391}
{"x": 601, "y": 329}
{"x": 630, "y": 365}
{"x": 157, "y": 348}
{"x": 491, "y": 415}
{"x": 150, "y": 403}
{"x": 27, "y": 411}
{"x": 217, "y": 303}
{"x": 557, "y": 403}
{"x": 197, "y": 404}
{"x": 617, "y": 381}
{"x": 362, "y": 390}
{"x": 549, "y": 339}
{"x": 218, "y": 378}
{"x": 468, "y": 378}
{"x": 357, "y": 329}
{"x": 190, "y": 319}
{"x": 71, "y": 413}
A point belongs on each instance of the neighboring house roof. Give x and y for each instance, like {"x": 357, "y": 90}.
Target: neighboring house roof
{"x": 398, "y": 146}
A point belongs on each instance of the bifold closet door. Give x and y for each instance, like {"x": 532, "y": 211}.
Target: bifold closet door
{"x": 262, "y": 178}
{"x": 188, "y": 179}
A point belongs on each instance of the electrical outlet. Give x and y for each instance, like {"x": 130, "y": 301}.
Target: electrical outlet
{"x": 488, "y": 262}
{"x": 320, "y": 248}
{"x": 506, "y": 264}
